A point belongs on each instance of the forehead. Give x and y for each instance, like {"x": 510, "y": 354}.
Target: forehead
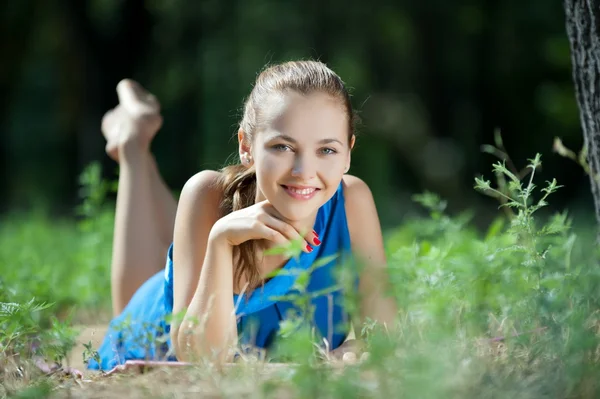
{"x": 307, "y": 116}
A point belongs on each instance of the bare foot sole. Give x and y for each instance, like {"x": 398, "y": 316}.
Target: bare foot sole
{"x": 135, "y": 120}
{"x": 137, "y": 101}
{"x": 111, "y": 130}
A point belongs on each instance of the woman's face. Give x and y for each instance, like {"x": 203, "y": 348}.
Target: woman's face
{"x": 301, "y": 153}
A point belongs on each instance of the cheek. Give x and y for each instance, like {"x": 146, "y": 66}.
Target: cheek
{"x": 268, "y": 169}
{"x": 332, "y": 169}
{"x": 268, "y": 165}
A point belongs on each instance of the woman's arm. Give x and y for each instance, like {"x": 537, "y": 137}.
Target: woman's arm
{"x": 213, "y": 328}
{"x": 203, "y": 264}
{"x": 202, "y": 269}
{"x": 367, "y": 244}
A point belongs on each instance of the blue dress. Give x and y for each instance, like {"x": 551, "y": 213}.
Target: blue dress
{"x": 141, "y": 331}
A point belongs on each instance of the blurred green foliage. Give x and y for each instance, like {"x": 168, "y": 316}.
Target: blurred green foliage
{"x": 508, "y": 312}
{"x": 431, "y": 80}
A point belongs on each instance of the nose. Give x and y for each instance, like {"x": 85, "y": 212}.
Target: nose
{"x": 304, "y": 168}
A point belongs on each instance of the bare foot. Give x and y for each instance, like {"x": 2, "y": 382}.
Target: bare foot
{"x": 111, "y": 124}
{"x": 134, "y": 122}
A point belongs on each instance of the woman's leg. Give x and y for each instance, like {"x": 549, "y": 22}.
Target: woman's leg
{"x": 145, "y": 209}
{"x": 165, "y": 203}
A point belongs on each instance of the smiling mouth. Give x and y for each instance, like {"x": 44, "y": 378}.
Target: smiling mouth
{"x": 301, "y": 192}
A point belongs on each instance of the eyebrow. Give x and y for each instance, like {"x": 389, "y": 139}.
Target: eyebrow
{"x": 293, "y": 140}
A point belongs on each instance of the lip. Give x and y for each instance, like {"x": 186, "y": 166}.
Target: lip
{"x": 292, "y": 191}
{"x": 298, "y": 187}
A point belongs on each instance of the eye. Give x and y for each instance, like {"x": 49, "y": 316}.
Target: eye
{"x": 281, "y": 147}
{"x": 328, "y": 151}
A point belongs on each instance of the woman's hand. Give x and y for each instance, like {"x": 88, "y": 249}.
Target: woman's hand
{"x": 260, "y": 221}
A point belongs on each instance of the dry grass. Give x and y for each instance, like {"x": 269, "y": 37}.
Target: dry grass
{"x": 234, "y": 380}
{"x": 91, "y": 333}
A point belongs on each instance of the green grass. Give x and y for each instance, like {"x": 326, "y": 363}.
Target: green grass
{"x": 60, "y": 261}
{"x": 511, "y": 312}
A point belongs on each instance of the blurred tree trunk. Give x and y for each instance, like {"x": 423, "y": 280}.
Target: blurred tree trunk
{"x": 582, "y": 23}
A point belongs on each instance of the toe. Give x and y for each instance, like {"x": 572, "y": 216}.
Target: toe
{"x": 136, "y": 100}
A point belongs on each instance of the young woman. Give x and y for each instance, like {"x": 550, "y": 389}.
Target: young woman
{"x": 295, "y": 141}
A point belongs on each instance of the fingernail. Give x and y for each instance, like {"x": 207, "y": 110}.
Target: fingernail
{"x": 316, "y": 241}
{"x": 308, "y": 248}
{"x": 315, "y": 233}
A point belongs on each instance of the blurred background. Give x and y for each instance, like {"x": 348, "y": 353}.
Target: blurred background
{"x": 431, "y": 79}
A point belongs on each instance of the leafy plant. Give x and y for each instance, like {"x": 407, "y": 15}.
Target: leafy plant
{"x": 510, "y": 311}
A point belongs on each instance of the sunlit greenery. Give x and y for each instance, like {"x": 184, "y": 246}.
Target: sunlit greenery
{"x": 511, "y": 311}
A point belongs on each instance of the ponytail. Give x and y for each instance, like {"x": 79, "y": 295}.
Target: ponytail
{"x": 239, "y": 191}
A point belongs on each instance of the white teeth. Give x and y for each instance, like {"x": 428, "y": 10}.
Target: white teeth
{"x": 304, "y": 191}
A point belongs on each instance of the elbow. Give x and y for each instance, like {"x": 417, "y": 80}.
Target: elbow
{"x": 190, "y": 344}
{"x": 183, "y": 342}
{"x": 186, "y": 344}
{"x": 175, "y": 344}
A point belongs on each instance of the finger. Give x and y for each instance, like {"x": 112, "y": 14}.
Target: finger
{"x": 286, "y": 230}
{"x": 310, "y": 238}
{"x": 313, "y": 238}
{"x": 136, "y": 100}
{"x": 266, "y": 232}
{"x": 263, "y": 232}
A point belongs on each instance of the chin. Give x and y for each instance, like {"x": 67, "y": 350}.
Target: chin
{"x": 293, "y": 214}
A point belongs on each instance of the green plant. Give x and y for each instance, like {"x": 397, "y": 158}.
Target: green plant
{"x": 511, "y": 311}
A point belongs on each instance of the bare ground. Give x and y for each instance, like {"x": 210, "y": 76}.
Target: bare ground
{"x": 179, "y": 383}
{"x": 185, "y": 382}
{"x": 239, "y": 380}
{"x": 89, "y": 333}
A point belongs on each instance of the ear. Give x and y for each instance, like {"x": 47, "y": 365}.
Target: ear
{"x": 245, "y": 149}
{"x": 352, "y": 141}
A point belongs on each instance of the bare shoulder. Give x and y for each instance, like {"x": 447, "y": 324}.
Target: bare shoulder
{"x": 206, "y": 180}
{"x": 203, "y": 187}
{"x": 355, "y": 185}
{"x": 199, "y": 202}
{"x": 361, "y": 213}
{"x": 356, "y": 193}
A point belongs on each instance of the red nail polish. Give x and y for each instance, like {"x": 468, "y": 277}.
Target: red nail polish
{"x": 308, "y": 248}
{"x": 316, "y": 241}
{"x": 315, "y": 233}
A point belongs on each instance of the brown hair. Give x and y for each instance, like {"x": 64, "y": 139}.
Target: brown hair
{"x": 238, "y": 181}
